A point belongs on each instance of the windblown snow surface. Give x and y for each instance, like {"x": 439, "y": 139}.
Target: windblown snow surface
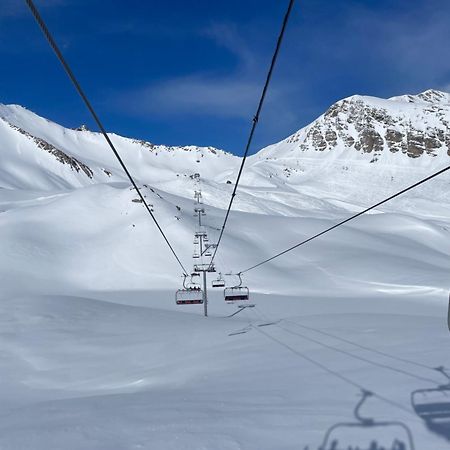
{"x": 95, "y": 354}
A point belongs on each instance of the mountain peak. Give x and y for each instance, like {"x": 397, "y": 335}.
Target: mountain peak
{"x": 430, "y": 96}
{"x": 434, "y": 96}
{"x": 412, "y": 125}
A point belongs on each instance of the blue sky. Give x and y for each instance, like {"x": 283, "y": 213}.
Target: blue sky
{"x": 190, "y": 72}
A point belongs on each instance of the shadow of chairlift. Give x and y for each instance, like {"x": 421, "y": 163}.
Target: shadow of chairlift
{"x": 251, "y": 326}
{"x": 267, "y": 324}
{"x": 433, "y": 406}
{"x": 362, "y": 434}
{"x": 241, "y": 331}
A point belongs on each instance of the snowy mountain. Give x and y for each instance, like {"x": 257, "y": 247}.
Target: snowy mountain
{"x": 359, "y": 151}
{"x": 95, "y": 354}
{"x": 74, "y": 158}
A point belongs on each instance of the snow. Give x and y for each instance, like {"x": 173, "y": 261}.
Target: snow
{"x": 94, "y": 353}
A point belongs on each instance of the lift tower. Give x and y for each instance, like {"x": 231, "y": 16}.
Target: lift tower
{"x": 203, "y": 247}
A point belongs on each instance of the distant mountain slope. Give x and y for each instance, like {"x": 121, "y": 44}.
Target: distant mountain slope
{"x": 72, "y": 158}
{"x": 364, "y": 148}
{"x": 414, "y": 125}
{"x": 69, "y": 217}
{"x": 361, "y": 149}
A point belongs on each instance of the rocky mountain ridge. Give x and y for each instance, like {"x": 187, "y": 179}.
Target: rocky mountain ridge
{"x": 413, "y": 125}
{"x": 354, "y": 131}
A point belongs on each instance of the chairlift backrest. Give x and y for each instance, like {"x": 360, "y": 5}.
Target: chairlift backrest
{"x": 236, "y": 293}
{"x": 376, "y": 436}
{"x": 432, "y": 404}
{"x": 189, "y": 296}
{"x": 367, "y": 433}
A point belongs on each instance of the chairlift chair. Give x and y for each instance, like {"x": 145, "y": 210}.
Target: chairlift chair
{"x": 237, "y": 294}
{"x": 189, "y": 295}
{"x": 367, "y": 433}
{"x": 204, "y": 267}
{"x": 219, "y": 282}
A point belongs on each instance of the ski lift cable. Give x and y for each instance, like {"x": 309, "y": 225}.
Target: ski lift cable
{"x": 86, "y": 101}
{"x": 354, "y": 216}
{"x": 330, "y": 371}
{"x": 255, "y": 120}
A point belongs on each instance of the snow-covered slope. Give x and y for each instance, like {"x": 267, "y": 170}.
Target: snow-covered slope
{"x": 74, "y": 158}
{"x": 95, "y": 354}
{"x": 363, "y": 148}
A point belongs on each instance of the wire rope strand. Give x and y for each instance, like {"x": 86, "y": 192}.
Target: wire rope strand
{"x": 86, "y": 101}
{"x": 255, "y": 121}
{"x": 354, "y": 216}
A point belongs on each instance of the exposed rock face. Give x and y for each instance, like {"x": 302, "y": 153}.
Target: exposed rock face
{"x": 62, "y": 157}
{"x": 413, "y": 124}
{"x": 187, "y": 148}
{"x": 82, "y": 127}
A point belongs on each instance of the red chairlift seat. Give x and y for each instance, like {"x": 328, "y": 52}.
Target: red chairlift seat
{"x": 189, "y": 296}
{"x": 236, "y": 293}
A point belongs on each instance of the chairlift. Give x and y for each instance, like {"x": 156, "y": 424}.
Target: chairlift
{"x": 237, "y": 293}
{"x": 207, "y": 253}
{"x": 196, "y": 256}
{"x": 367, "y": 433}
{"x": 433, "y": 406}
{"x": 219, "y": 282}
{"x": 189, "y": 295}
{"x": 204, "y": 267}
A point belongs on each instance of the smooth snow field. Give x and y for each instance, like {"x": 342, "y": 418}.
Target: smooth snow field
{"x": 85, "y": 373}
{"x": 96, "y": 355}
